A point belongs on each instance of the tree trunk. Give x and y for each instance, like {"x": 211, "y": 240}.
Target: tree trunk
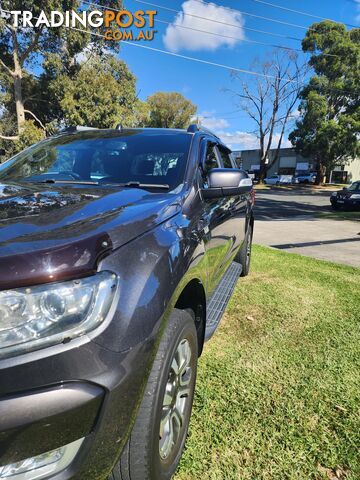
{"x": 262, "y": 172}
{"x": 17, "y": 76}
{"x": 20, "y": 111}
{"x": 263, "y": 169}
{"x": 320, "y": 170}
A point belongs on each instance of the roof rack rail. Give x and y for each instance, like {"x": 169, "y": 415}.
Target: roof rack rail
{"x": 77, "y": 128}
{"x": 194, "y": 127}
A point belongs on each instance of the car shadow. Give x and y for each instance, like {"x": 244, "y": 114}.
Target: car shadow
{"x": 271, "y": 209}
{"x": 286, "y": 246}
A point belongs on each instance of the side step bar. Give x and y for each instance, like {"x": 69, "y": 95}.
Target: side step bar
{"x": 220, "y": 298}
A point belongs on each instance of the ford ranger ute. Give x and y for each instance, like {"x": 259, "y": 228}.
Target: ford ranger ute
{"x": 119, "y": 250}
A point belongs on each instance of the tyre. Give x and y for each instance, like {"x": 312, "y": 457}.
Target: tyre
{"x": 158, "y": 437}
{"x": 244, "y": 255}
{"x": 277, "y": 184}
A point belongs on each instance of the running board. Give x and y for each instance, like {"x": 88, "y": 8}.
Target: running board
{"x": 220, "y": 298}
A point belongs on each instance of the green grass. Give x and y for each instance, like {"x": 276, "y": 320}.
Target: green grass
{"x": 340, "y": 215}
{"x": 278, "y": 392}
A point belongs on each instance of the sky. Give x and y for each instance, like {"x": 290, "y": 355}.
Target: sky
{"x": 208, "y": 86}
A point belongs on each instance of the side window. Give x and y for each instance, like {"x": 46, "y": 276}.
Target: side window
{"x": 225, "y": 156}
{"x": 210, "y": 160}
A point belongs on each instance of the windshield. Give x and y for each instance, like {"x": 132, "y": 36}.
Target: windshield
{"x": 139, "y": 157}
{"x": 354, "y": 187}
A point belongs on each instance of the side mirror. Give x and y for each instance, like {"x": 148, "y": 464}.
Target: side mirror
{"x": 225, "y": 182}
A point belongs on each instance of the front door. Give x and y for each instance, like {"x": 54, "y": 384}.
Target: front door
{"x": 220, "y": 217}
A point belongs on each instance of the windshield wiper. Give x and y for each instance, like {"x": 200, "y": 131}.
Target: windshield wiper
{"x": 68, "y": 182}
{"x": 139, "y": 185}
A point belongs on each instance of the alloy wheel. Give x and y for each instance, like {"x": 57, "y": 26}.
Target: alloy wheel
{"x": 177, "y": 400}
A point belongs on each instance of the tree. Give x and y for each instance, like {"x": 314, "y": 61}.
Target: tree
{"x": 329, "y": 124}
{"x": 270, "y": 101}
{"x": 141, "y": 116}
{"x": 101, "y": 94}
{"x": 170, "y": 110}
{"x": 21, "y": 46}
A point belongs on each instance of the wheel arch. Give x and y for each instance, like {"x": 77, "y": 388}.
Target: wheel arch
{"x": 193, "y": 297}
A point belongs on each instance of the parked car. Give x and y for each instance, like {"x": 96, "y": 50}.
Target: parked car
{"x": 306, "y": 178}
{"x": 348, "y": 197}
{"x": 119, "y": 252}
{"x": 279, "y": 180}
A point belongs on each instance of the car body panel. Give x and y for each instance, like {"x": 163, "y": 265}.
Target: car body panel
{"x": 278, "y": 179}
{"x": 306, "y": 178}
{"x": 157, "y": 244}
{"x": 66, "y": 230}
{"x": 347, "y": 197}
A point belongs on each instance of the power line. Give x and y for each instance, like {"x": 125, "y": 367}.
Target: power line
{"x": 212, "y": 20}
{"x": 273, "y": 5}
{"x": 231, "y": 37}
{"x": 247, "y": 40}
{"x": 177, "y": 55}
{"x": 194, "y": 59}
{"x": 224, "y": 23}
{"x": 219, "y": 22}
{"x": 249, "y": 14}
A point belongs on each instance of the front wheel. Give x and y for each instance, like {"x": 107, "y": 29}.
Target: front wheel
{"x": 154, "y": 448}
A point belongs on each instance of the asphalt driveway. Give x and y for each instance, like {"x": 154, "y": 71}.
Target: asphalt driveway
{"x": 287, "y": 220}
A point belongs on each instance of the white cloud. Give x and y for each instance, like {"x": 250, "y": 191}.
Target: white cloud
{"x": 177, "y": 38}
{"x": 210, "y": 121}
{"x": 249, "y": 141}
{"x": 240, "y": 140}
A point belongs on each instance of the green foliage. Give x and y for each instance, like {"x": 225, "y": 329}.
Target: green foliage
{"x": 170, "y": 110}
{"x": 329, "y": 126}
{"x": 29, "y": 135}
{"x": 141, "y": 116}
{"x": 54, "y": 51}
{"x": 101, "y": 94}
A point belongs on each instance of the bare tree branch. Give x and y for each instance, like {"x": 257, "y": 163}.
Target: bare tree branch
{"x": 4, "y": 137}
{"x": 6, "y": 68}
{"x": 270, "y": 100}
{"x": 31, "y": 46}
{"x": 36, "y": 118}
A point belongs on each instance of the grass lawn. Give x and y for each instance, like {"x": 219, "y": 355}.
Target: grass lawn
{"x": 278, "y": 393}
{"x": 340, "y": 215}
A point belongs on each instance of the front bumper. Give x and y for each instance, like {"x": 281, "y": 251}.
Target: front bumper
{"x": 345, "y": 202}
{"x": 61, "y": 394}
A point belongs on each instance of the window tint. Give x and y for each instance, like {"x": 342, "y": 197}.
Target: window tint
{"x": 210, "y": 160}
{"x": 225, "y": 156}
{"x": 354, "y": 187}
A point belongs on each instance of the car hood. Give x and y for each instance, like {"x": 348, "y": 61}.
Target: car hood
{"x": 51, "y": 232}
{"x": 344, "y": 193}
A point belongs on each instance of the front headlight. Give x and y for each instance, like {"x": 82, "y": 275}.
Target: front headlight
{"x": 33, "y": 318}
{"x": 355, "y": 196}
{"x": 334, "y": 194}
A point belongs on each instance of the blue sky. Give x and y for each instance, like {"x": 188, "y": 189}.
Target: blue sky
{"x": 205, "y": 85}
